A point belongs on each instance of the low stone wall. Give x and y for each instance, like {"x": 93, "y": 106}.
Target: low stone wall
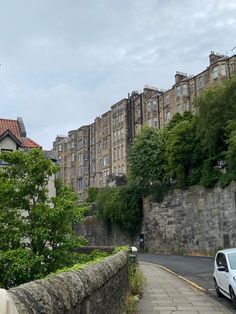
{"x": 100, "y": 288}
{"x": 192, "y": 221}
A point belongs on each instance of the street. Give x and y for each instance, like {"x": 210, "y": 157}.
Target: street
{"x": 198, "y": 269}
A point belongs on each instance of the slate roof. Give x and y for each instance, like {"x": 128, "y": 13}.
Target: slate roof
{"x": 15, "y": 127}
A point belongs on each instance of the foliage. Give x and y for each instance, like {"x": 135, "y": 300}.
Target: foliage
{"x": 36, "y": 235}
{"x": 147, "y": 160}
{"x": 189, "y": 150}
{"x": 231, "y": 153}
{"x": 83, "y": 260}
{"x": 121, "y": 206}
{"x": 183, "y": 151}
{"x": 92, "y": 194}
{"x": 137, "y": 283}
{"x": 120, "y": 248}
{"x": 217, "y": 106}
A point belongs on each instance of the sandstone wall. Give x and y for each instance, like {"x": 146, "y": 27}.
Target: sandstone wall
{"x": 98, "y": 234}
{"x": 100, "y": 288}
{"x": 195, "y": 220}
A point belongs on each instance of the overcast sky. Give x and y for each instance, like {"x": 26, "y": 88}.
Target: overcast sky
{"x": 64, "y": 62}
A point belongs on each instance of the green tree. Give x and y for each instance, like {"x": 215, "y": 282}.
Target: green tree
{"x": 183, "y": 154}
{"x": 122, "y": 206}
{"x": 231, "y": 152}
{"x": 147, "y": 160}
{"x": 216, "y": 106}
{"x": 33, "y": 226}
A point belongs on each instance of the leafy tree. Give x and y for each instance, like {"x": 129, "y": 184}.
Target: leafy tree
{"x": 177, "y": 118}
{"x": 92, "y": 194}
{"x": 33, "y": 226}
{"x": 121, "y": 205}
{"x": 183, "y": 153}
{"x": 147, "y": 160}
{"x": 231, "y": 152}
{"x": 216, "y": 106}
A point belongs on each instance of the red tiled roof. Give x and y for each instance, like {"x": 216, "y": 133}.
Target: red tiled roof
{"x": 13, "y": 126}
{"x": 26, "y": 142}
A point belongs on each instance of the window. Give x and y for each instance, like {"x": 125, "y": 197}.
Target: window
{"x": 177, "y": 91}
{"x": 121, "y": 117}
{"x": 192, "y": 87}
{"x": 215, "y": 73}
{"x": 122, "y": 151}
{"x": 72, "y": 157}
{"x": 148, "y": 106}
{"x": 200, "y": 82}
{"x": 221, "y": 260}
{"x": 80, "y": 171}
{"x": 114, "y": 136}
{"x": 168, "y": 116}
{"x": 60, "y": 148}
{"x": 105, "y": 143}
{"x": 223, "y": 70}
{"x": 167, "y": 98}
{"x": 3, "y": 162}
{"x": 80, "y": 184}
{"x": 179, "y": 108}
{"x": 185, "y": 89}
{"x": 114, "y": 154}
{"x": 118, "y": 152}
{"x": 80, "y": 143}
{"x": 72, "y": 144}
{"x": 232, "y": 260}
{"x": 80, "y": 157}
{"x": 106, "y": 161}
{"x": 155, "y": 124}
{"x": 122, "y": 132}
{"x": 154, "y": 105}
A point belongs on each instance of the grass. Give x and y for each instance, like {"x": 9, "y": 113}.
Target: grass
{"x": 137, "y": 284}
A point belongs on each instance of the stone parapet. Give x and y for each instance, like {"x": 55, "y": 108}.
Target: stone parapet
{"x": 99, "y": 288}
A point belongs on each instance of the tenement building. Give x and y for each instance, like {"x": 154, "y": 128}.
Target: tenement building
{"x": 94, "y": 155}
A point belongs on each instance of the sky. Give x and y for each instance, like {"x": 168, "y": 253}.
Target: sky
{"x": 65, "y": 62}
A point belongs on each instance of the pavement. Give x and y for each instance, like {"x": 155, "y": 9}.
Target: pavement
{"x": 167, "y": 293}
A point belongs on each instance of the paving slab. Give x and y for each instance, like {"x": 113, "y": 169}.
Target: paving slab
{"x": 166, "y": 293}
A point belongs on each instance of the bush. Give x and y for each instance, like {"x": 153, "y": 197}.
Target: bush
{"x": 121, "y": 206}
{"x": 137, "y": 283}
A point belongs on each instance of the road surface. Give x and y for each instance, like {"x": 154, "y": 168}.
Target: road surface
{"x": 198, "y": 269}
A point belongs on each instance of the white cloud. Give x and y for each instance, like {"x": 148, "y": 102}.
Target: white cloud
{"x": 64, "y": 62}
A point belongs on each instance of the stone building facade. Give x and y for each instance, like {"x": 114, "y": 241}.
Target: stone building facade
{"x": 93, "y": 155}
{"x": 119, "y": 142}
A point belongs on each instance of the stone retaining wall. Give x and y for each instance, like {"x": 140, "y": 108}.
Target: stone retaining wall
{"x": 100, "y": 288}
{"x": 192, "y": 221}
{"x": 98, "y": 234}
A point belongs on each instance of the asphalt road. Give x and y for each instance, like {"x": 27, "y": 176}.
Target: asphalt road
{"x": 198, "y": 269}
